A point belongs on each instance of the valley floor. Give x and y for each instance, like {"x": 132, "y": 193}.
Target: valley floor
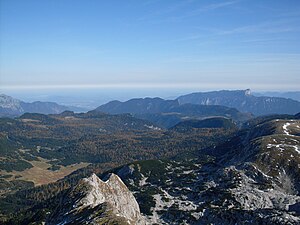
{"x": 40, "y": 173}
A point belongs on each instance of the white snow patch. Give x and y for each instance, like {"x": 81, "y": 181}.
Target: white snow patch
{"x": 282, "y": 147}
{"x": 159, "y": 205}
{"x": 152, "y": 127}
{"x": 284, "y": 127}
{"x": 188, "y": 171}
{"x": 265, "y": 175}
{"x": 296, "y": 149}
{"x": 143, "y": 181}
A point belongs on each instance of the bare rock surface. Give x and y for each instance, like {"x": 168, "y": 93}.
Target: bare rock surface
{"x": 94, "y": 201}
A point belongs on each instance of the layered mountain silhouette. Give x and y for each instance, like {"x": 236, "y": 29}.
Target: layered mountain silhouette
{"x": 244, "y": 101}
{"x": 167, "y": 113}
{"x": 11, "y": 107}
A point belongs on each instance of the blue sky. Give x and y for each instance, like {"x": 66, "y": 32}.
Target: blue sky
{"x": 226, "y": 44}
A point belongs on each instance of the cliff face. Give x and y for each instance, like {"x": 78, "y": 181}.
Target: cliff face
{"x": 94, "y": 201}
{"x": 11, "y": 107}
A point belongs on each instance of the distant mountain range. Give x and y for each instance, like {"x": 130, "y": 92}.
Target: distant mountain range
{"x": 167, "y": 113}
{"x": 244, "y": 101}
{"x": 215, "y": 122}
{"x": 236, "y": 105}
{"x": 291, "y": 94}
{"x": 11, "y": 107}
{"x": 139, "y": 106}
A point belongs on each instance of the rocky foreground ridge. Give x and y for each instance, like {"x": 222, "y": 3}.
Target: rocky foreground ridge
{"x": 93, "y": 201}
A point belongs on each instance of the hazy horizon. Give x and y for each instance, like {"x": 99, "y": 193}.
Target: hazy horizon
{"x": 203, "y": 45}
{"x": 90, "y": 98}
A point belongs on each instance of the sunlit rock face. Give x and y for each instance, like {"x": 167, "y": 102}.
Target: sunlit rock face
{"x": 93, "y": 201}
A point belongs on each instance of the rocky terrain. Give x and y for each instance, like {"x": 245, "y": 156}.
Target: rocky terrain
{"x": 93, "y": 201}
{"x": 254, "y": 181}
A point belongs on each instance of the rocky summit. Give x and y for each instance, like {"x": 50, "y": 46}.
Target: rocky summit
{"x": 243, "y": 101}
{"x": 11, "y": 107}
{"x": 93, "y": 201}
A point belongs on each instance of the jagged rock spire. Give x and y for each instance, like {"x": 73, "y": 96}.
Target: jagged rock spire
{"x": 93, "y": 200}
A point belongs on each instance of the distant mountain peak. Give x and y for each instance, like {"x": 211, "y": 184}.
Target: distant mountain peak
{"x": 244, "y": 101}
{"x": 9, "y": 102}
{"x": 248, "y": 92}
{"x": 11, "y": 107}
